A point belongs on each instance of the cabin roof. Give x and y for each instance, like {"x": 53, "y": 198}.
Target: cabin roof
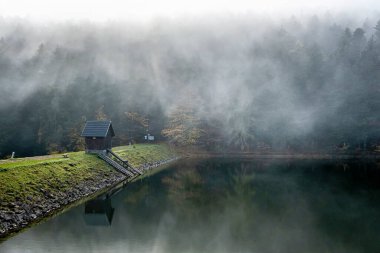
{"x": 97, "y": 128}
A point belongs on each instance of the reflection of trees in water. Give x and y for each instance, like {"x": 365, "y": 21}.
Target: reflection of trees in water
{"x": 249, "y": 205}
{"x": 227, "y": 193}
{"x": 263, "y": 206}
{"x": 240, "y": 184}
{"x": 185, "y": 187}
{"x": 189, "y": 186}
{"x": 238, "y": 204}
{"x": 138, "y": 195}
{"x": 207, "y": 199}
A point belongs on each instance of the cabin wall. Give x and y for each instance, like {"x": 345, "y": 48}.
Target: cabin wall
{"x": 100, "y": 143}
{"x": 94, "y": 144}
{"x": 108, "y": 140}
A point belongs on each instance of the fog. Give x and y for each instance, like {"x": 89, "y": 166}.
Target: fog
{"x": 294, "y": 82}
{"x": 148, "y": 10}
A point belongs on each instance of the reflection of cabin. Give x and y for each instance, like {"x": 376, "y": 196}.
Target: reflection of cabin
{"x": 98, "y": 212}
{"x": 98, "y": 135}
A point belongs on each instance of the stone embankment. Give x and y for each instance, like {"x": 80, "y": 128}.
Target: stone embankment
{"x": 152, "y": 165}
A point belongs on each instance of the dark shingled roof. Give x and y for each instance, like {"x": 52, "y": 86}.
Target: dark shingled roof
{"x": 97, "y": 128}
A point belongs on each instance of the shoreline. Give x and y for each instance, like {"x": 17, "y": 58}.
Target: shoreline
{"x": 311, "y": 156}
{"x": 23, "y": 216}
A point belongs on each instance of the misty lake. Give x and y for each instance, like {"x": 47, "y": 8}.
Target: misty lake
{"x": 224, "y": 205}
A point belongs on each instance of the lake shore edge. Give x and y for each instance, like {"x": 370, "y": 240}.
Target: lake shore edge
{"x": 258, "y": 155}
{"x": 83, "y": 193}
{"x": 20, "y": 215}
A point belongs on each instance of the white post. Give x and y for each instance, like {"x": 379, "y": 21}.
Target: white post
{"x": 13, "y": 155}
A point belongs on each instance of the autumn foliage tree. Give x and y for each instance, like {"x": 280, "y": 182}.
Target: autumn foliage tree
{"x": 183, "y": 127}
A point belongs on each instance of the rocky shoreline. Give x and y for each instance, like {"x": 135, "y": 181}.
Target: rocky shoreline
{"x": 17, "y": 215}
{"x": 152, "y": 165}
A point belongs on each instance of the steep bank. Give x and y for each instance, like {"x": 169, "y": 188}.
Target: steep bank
{"x": 32, "y": 188}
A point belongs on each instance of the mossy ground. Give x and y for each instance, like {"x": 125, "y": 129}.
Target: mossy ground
{"x": 27, "y": 179}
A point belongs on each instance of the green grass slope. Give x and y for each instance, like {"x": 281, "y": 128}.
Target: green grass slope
{"x": 140, "y": 154}
{"x": 27, "y": 179}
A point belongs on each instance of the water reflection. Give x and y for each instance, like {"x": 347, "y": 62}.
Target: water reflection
{"x": 99, "y": 211}
{"x": 226, "y": 206}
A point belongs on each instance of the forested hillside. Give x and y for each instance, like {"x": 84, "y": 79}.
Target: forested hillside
{"x": 225, "y": 84}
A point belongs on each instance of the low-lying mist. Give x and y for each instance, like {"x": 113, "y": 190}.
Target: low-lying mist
{"x": 309, "y": 83}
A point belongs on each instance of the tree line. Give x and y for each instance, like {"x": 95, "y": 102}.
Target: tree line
{"x": 299, "y": 85}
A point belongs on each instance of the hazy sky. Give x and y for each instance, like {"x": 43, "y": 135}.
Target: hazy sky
{"x": 101, "y": 10}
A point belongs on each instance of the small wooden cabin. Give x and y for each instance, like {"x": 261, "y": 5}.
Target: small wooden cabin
{"x": 98, "y": 135}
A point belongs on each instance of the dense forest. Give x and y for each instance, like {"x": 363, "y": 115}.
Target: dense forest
{"x": 308, "y": 84}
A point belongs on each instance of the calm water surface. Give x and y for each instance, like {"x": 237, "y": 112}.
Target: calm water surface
{"x": 225, "y": 206}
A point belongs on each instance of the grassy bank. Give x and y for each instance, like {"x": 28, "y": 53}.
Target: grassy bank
{"x": 32, "y": 187}
{"x": 26, "y": 179}
{"x": 140, "y": 154}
